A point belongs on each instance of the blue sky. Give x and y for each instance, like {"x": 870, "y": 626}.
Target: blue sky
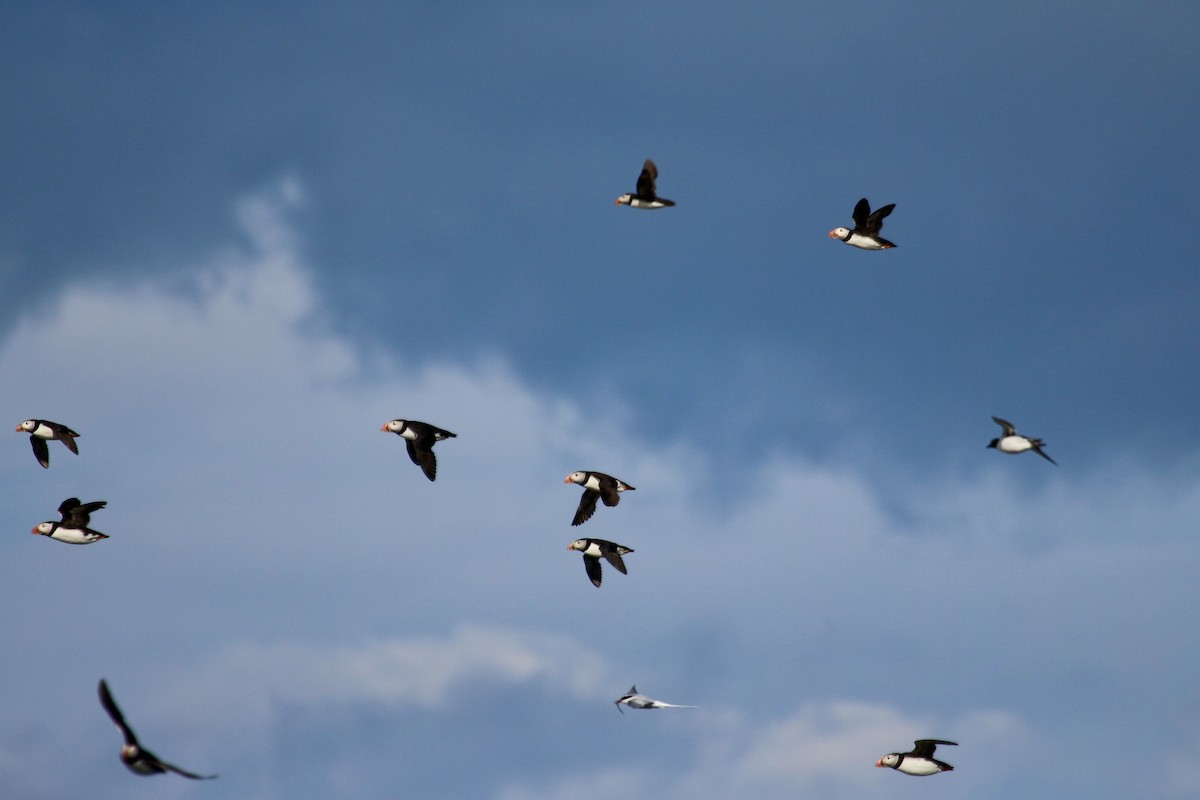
{"x": 234, "y": 242}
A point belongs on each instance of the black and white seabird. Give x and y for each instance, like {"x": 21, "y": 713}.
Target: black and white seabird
{"x": 73, "y": 528}
{"x": 420, "y": 438}
{"x": 596, "y": 486}
{"x": 645, "y": 196}
{"x": 42, "y": 430}
{"x": 866, "y": 228}
{"x": 918, "y": 761}
{"x": 635, "y": 700}
{"x": 137, "y": 759}
{"x": 595, "y": 549}
{"x": 1013, "y": 443}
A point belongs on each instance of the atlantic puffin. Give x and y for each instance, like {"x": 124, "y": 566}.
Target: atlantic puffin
{"x": 420, "y": 438}
{"x": 918, "y": 761}
{"x": 1012, "y": 442}
{"x": 73, "y": 528}
{"x": 593, "y": 550}
{"x": 645, "y": 197}
{"x": 138, "y": 760}
{"x": 596, "y": 486}
{"x": 635, "y": 700}
{"x": 42, "y": 430}
{"x": 866, "y": 228}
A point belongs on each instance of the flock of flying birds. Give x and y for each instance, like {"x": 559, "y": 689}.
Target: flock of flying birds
{"x": 419, "y": 439}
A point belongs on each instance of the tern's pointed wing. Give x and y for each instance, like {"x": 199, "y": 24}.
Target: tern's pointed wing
{"x": 118, "y": 718}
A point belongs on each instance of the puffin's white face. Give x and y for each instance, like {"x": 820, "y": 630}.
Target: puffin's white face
{"x": 27, "y": 425}
{"x": 839, "y": 233}
{"x": 578, "y": 544}
{"x": 575, "y": 477}
{"x": 43, "y": 529}
{"x": 393, "y": 427}
{"x": 890, "y": 760}
{"x": 624, "y": 200}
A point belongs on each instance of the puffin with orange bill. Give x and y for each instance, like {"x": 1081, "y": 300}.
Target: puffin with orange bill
{"x": 919, "y": 760}
{"x": 420, "y": 438}
{"x": 595, "y": 549}
{"x": 867, "y": 224}
{"x": 596, "y": 486}
{"x": 43, "y": 430}
{"x": 73, "y": 528}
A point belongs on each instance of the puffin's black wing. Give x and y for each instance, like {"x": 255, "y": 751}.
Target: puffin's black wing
{"x": 1037, "y": 448}
{"x": 614, "y": 558}
{"x": 645, "y": 181}
{"x": 78, "y": 515}
{"x": 923, "y": 748}
{"x": 420, "y": 451}
{"x": 67, "y": 437}
{"x": 1009, "y": 428}
{"x": 118, "y": 719}
{"x": 183, "y": 772}
{"x": 862, "y": 210}
{"x": 609, "y": 492}
{"x": 875, "y": 221}
{"x": 40, "y": 451}
{"x": 587, "y": 507}
{"x": 592, "y": 565}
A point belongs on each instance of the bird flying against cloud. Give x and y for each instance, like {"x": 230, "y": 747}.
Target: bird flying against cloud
{"x": 137, "y": 759}
{"x": 635, "y": 700}
{"x": 919, "y": 760}
{"x": 595, "y": 549}
{"x": 1013, "y": 443}
{"x": 420, "y": 438}
{"x": 596, "y": 486}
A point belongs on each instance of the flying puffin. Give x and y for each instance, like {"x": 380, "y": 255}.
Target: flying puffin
{"x": 596, "y": 486}
{"x": 1012, "y": 442}
{"x": 73, "y": 529}
{"x": 420, "y": 438}
{"x": 137, "y": 759}
{"x": 593, "y": 550}
{"x": 645, "y": 197}
{"x": 919, "y": 761}
{"x": 635, "y": 700}
{"x": 42, "y": 430}
{"x": 866, "y": 228}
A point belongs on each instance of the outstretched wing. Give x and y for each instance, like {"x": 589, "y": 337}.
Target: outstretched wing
{"x": 645, "y": 181}
{"x": 592, "y": 565}
{"x": 423, "y": 457}
{"x": 118, "y": 718}
{"x": 875, "y": 221}
{"x": 1009, "y": 428}
{"x": 923, "y": 748}
{"x": 587, "y": 507}
{"x": 614, "y": 558}
{"x": 862, "y": 210}
{"x": 40, "y": 451}
{"x": 183, "y": 772}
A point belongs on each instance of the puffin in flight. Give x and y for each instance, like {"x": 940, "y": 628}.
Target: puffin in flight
{"x": 420, "y": 438}
{"x": 919, "y": 760}
{"x": 595, "y": 549}
{"x": 1012, "y": 442}
{"x": 73, "y": 528}
{"x": 635, "y": 700}
{"x": 596, "y": 486}
{"x": 866, "y": 228}
{"x": 42, "y": 430}
{"x": 138, "y": 760}
{"x": 645, "y": 197}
